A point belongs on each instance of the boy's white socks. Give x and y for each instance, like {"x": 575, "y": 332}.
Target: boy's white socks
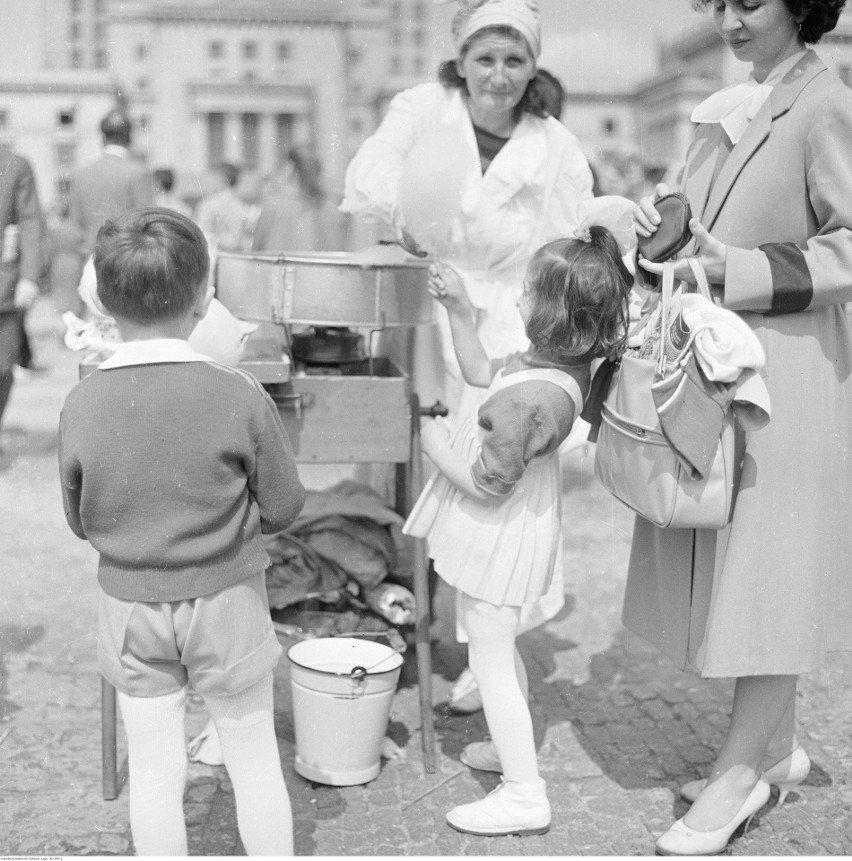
{"x": 156, "y": 749}
{"x": 247, "y": 733}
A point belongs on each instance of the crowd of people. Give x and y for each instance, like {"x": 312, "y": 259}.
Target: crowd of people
{"x": 535, "y": 270}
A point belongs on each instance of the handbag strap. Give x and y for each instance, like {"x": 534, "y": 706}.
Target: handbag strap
{"x": 665, "y": 310}
{"x": 700, "y": 277}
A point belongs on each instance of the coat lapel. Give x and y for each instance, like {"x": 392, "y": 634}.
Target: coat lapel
{"x": 783, "y": 95}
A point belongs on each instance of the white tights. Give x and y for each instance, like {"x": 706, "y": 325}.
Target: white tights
{"x": 502, "y": 680}
{"x": 156, "y": 743}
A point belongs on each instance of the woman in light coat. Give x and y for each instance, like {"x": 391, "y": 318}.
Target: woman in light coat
{"x": 769, "y": 177}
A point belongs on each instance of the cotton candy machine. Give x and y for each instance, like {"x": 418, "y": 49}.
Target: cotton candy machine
{"x": 318, "y": 316}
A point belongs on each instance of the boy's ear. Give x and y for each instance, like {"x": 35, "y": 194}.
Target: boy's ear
{"x": 205, "y": 297}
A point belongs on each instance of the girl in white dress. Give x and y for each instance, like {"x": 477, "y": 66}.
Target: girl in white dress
{"x": 492, "y": 515}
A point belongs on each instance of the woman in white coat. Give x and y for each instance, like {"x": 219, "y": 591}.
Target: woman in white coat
{"x": 769, "y": 177}
{"x": 509, "y": 176}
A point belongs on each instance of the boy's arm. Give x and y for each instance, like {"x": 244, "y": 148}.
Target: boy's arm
{"x": 275, "y": 482}
{"x": 71, "y": 479}
{"x": 446, "y": 285}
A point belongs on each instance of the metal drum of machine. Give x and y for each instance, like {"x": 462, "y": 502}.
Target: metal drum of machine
{"x": 339, "y": 403}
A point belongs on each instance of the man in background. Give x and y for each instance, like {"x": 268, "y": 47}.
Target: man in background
{"x": 112, "y": 184}
{"x": 21, "y": 262}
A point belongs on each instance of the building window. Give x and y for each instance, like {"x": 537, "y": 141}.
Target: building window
{"x": 283, "y": 133}
{"x": 251, "y": 146}
{"x": 101, "y": 59}
{"x": 65, "y": 119}
{"x": 396, "y": 36}
{"x": 419, "y": 11}
{"x": 76, "y": 58}
{"x": 215, "y": 50}
{"x": 396, "y": 10}
{"x": 142, "y": 84}
{"x": 215, "y": 139}
{"x": 419, "y": 37}
{"x": 249, "y": 50}
{"x": 76, "y": 7}
{"x": 282, "y": 51}
{"x": 610, "y": 126}
{"x": 4, "y": 119}
{"x": 144, "y": 124}
{"x": 74, "y": 31}
{"x": 100, "y": 31}
{"x": 141, "y": 51}
{"x": 100, "y": 7}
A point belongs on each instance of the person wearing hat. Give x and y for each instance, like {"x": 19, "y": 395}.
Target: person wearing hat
{"x": 112, "y": 184}
{"x": 479, "y": 153}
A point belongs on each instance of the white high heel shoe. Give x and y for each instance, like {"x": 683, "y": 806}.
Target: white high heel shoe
{"x": 786, "y": 774}
{"x": 680, "y": 839}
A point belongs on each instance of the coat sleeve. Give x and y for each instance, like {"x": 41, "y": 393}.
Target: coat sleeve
{"x": 784, "y": 278}
{"x": 31, "y": 224}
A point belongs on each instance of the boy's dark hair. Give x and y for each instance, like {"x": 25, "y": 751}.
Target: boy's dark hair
{"x": 116, "y": 128}
{"x": 537, "y": 98}
{"x": 149, "y": 264}
{"x": 578, "y": 295}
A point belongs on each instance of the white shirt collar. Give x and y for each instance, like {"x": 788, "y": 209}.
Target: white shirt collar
{"x": 115, "y": 149}
{"x": 735, "y": 106}
{"x": 156, "y": 351}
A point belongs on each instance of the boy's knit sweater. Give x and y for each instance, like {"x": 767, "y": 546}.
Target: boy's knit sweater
{"x": 172, "y": 471}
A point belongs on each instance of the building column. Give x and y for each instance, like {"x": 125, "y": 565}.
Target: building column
{"x": 233, "y": 139}
{"x": 266, "y": 144}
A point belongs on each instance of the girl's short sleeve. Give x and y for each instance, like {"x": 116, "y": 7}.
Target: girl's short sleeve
{"x": 519, "y": 423}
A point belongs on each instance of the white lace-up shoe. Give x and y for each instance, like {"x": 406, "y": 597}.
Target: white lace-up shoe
{"x": 511, "y": 808}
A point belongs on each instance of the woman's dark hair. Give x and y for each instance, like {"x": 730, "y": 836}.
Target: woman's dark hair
{"x": 149, "y": 264}
{"x": 818, "y": 16}
{"x": 537, "y": 97}
{"x": 578, "y": 294}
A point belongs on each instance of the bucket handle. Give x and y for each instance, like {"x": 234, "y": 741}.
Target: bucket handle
{"x": 394, "y": 639}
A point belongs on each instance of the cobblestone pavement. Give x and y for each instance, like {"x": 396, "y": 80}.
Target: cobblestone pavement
{"x": 618, "y": 727}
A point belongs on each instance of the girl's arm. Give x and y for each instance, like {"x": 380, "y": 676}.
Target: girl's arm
{"x": 446, "y": 285}
{"x": 435, "y": 443}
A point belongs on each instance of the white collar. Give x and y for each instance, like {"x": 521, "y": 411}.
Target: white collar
{"x": 156, "y": 351}
{"x": 115, "y": 149}
{"x": 735, "y": 106}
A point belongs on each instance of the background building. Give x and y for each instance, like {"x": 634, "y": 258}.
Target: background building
{"x": 208, "y": 81}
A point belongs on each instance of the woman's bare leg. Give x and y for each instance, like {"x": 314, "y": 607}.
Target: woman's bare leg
{"x": 761, "y": 704}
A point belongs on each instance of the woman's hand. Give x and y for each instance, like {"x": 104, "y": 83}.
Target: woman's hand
{"x": 712, "y": 255}
{"x": 646, "y": 219}
{"x": 446, "y": 285}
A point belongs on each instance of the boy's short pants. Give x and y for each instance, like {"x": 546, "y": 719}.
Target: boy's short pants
{"x": 220, "y": 643}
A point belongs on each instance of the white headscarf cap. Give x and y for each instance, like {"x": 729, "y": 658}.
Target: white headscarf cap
{"x": 474, "y": 15}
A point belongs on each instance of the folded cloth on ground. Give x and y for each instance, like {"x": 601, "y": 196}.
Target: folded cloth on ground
{"x": 344, "y": 533}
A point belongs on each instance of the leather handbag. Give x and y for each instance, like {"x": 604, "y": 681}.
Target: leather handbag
{"x": 633, "y": 459}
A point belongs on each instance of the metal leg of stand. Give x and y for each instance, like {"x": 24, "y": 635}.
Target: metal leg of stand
{"x": 409, "y": 483}
{"x": 109, "y": 751}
